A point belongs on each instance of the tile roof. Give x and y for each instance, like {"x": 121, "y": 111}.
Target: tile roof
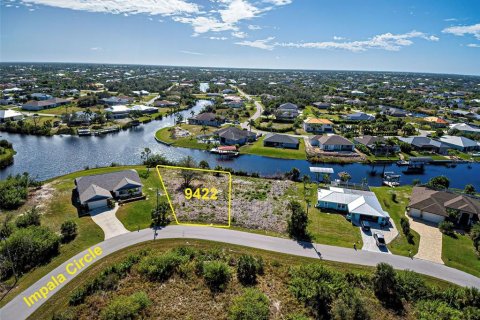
{"x": 280, "y": 138}
{"x": 318, "y": 121}
{"x": 437, "y": 202}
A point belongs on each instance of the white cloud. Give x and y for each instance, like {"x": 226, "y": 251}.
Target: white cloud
{"x": 253, "y": 27}
{"x": 463, "y": 30}
{"x": 218, "y": 38}
{"x": 279, "y": 2}
{"x": 264, "y": 44}
{"x": 338, "y": 38}
{"x": 386, "y": 41}
{"x": 238, "y": 10}
{"x": 96, "y": 49}
{"x": 153, "y": 7}
{"x": 239, "y": 34}
{"x": 206, "y": 24}
{"x": 473, "y": 45}
{"x": 191, "y": 52}
{"x": 450, "y": 19}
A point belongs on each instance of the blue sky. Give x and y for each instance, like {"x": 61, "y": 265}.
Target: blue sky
{"x": 439, "y": 36}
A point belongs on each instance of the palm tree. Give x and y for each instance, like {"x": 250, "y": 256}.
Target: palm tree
{"x": 204, "y": 129}
{"x": 251, "y": 123}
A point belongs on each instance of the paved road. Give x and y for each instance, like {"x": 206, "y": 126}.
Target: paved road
{"x": 17, "y": 308}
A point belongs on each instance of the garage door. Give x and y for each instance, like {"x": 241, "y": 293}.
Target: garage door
{"x": 97, "y": 204}
{"x": 432, "y": 217}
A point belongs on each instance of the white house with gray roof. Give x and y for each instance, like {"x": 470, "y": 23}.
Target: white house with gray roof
{"x": 359, "y": 204}
{"x": 96, "y": 190}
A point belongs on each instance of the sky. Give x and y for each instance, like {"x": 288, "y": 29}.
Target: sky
{"x": 439, "y": 36}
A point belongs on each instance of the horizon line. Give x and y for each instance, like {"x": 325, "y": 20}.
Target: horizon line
{"x": 238, "y": 68}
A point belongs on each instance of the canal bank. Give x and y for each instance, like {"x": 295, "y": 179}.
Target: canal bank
{"x": 48, "y": 157}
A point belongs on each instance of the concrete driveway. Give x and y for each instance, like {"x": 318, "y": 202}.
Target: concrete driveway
{"x": 430, "y": 246}
{"x": 369, "y": 243}
{"x": 106, "y": 219}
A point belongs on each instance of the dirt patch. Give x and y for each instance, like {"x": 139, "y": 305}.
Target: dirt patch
{"x": 315, "y": 154}
{"x": 41, "y": 197}
{"x": 255, "y": 203}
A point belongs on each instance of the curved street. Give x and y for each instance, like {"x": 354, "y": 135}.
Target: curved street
{"x": 17, "y": 308}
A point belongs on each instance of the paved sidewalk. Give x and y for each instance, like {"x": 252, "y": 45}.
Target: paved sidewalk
{"x": 106, "y": 219}
{"x": 430, "y": 246}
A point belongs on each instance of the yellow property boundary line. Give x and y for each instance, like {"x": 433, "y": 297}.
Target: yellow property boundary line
{"x": 203, "y": 170}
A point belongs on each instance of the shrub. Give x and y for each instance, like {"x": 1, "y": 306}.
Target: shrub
{"x": 29, "y": 247}
{"x": 446, "y": 227}
{"x": 160, "y": 268}
{"x": 412, "y": 286}
{"x": 216, "y": 274}
{"x": 475, "y": 235}
{"x": 126, "y": 307}
{"x": 68, "y": 230}
{"x": 297, "y": 224}
{"x": 440, "y": 182}
{"x": 252, "y": 305}
{"x": 29, "y": 218}
{"x": 349, "y": 306}
{"x": 394, "y": 197}
{"x": 14, "y": 190}
{"x": 435, "y": 309}
{"x": 385, "y": 285}
{"x": 247, "y": 270}
{"x": 65, "y": 315}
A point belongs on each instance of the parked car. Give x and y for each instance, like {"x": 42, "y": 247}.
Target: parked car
{"x": 379, "y": 239}
{"x": 365, "y": 225}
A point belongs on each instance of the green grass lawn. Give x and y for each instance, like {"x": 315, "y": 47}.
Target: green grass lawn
{"x": 426, "y": 154}
{"x": 373, "y": 158}
{"x": 396, "y": 209}
{"x": 137, "y": 215}
{"x": 327, "y": 228}
{"x": 70, "y": 108}
{"x": 258, "y": 149}
{"x": 459, "y": 253}
{"x": 187, "y": 142}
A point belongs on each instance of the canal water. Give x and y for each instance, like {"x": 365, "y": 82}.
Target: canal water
{"x": 47, "y": 157}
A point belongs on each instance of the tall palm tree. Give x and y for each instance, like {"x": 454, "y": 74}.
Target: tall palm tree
{"x": 251, "y": 123}
{"x": 204, "y": 129}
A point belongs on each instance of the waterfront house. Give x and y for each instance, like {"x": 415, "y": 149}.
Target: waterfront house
{"x": 165, "y": 103}
{"x": 287, "y": 112}
{"x": 10, "y": 115}
{"x": 332, "y": 142}
{"x": 144, "y": 109}
{"x": 425, "y": 144}
{"x": 233, "y": 136}
{"x": 118, "y": 111}
{"x": 460, "y": 143}
{"x": 95, "y": 191}
{"x": 436, "y": 122}
{"x": 81, "y": 118}
{"x": 207, "y": 119}
{"x": 281, "y": 141}
{"x": 434, "y": 206}
{"x": 376, "y": 144}
{"x": 359, "y": 116}
{"x": 360, "y": 205}
{"x": 322, "y": 105}
{"x": 317, "y": 125}
{"x": 34, "y": 105}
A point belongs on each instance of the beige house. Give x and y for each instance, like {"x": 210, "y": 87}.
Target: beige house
{"x": 435, "y": 206}
{"x": 318, "y": 125}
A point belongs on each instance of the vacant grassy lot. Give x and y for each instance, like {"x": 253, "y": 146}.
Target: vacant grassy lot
{"x": 165, "y": 135}
{"x": 186, "y": 296}
{"x": 69, "y": 108}
{"x": 396, "y": 209}
{"x": 458, "y": 252}
{"x": 258, "y": 149}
